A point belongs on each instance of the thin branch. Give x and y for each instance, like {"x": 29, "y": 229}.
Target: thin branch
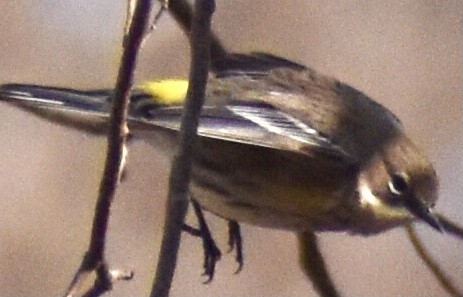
{"x": 314, "y": 266}
{"x": 177, "y": 203}
{"x": 94, "y": 259}
{"x": 182, "y": 12}
{"x": 130, "y": 10}
{"x": 444, "y": 280}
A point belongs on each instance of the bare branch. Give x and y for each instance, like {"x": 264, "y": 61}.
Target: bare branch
{"x": 443, "y": 279}
{"x": 314, "y": 266}
{"x": 182, "y": 12}
{"x": 94, "y": 259}
{"x": 177, "y": 203}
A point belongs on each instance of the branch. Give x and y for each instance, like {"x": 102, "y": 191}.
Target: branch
{"x": 182, "y": 12}
{"x": 177, "y": 203}
{"x": 424, "y": 254}
{"x": 94, "y": 259}
{"x": 314, "y": 266}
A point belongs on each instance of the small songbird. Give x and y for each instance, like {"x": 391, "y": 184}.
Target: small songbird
{"x": 279, "y": 145}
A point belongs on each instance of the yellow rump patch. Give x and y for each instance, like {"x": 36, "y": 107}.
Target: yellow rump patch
{"x": 167, "y": 92}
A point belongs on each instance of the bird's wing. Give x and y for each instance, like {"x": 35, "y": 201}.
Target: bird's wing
{"x": 253, "y": 64}
{"x": 254, "y": 124}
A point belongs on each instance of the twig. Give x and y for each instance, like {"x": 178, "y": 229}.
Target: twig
{"x": 445, "y": 282}
{"x": 182, "y": 12}
{"x": 94, "y": 259}
{"x": 130, "y": 10}
{"x": 177, "y": 203}
{"x": 314, "y": 266}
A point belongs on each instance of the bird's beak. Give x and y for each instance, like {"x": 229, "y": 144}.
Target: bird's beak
{"x": 423, "y": 212}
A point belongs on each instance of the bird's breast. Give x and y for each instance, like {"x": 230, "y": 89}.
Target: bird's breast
{"x": 270, "y": 188}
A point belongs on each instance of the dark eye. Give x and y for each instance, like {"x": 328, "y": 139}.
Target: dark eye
{"x": 398, "y": 184}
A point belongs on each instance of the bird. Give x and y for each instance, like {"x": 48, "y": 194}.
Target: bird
{"x": 279, "y": 145}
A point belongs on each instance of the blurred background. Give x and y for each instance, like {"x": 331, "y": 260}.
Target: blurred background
{"x": 405, "y": 54}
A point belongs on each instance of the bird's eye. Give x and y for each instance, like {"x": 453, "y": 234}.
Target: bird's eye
{"x": 398, "y": 184}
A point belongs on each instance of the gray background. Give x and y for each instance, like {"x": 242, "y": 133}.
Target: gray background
{"x": 406, "y": 54}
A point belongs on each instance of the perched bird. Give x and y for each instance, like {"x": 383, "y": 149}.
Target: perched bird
{"x": 279, "y": 146}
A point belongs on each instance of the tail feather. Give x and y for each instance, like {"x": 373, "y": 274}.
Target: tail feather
{"x": 53, "y": 97}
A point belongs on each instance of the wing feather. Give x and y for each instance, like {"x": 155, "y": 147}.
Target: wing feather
{"x": 255, "y": 124}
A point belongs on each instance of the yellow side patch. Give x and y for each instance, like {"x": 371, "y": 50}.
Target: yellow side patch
{"x": 166, "y": 92}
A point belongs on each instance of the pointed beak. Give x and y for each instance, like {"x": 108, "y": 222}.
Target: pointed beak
{"x": 424, "y": 213}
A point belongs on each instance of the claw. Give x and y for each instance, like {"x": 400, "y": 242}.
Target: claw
{"x": 191, "y": 230}
{"x": 212, "y": 253}
{"x": 235, "y": 241}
